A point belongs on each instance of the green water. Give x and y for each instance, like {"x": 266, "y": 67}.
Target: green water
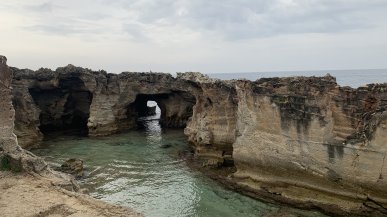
{"x": 134, "y": 170}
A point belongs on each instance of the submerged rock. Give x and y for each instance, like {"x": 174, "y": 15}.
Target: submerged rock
{"x": 151, "y": 110}
{"x": 73, "y": 166}
{"x": 166, "y": 146}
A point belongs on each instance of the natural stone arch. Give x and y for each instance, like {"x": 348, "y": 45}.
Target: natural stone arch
{"x": 176, "y": 107}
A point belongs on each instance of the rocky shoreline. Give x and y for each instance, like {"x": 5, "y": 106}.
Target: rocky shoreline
{"x": 28, "y": 186}
{"x": 28, "y": 195}
{"x": 303, "y": 141}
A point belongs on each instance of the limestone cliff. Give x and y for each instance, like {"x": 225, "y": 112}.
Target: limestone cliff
{"x": 93, "y": 102}
{"x": 12, "y": 157}
{"x": 28, "y": 186}
{"x": 212, "y": 128}
{"x": 312, "y": 141}
{"x": 302, "y": 140}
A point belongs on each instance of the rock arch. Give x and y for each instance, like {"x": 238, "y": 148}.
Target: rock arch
{"x": 176, "y": 107}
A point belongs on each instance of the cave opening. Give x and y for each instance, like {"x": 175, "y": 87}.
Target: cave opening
{"x": 172, "y": 110}
{"x": 146, "y": 108}
{"x": 64, "y": 109}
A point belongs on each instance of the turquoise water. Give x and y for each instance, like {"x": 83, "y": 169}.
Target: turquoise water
{"x": 134, "y": 170}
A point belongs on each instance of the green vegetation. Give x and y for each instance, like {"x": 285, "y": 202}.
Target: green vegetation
{"x": 4, "y": 163}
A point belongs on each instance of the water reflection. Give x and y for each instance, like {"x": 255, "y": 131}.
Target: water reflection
{"x": 134, "y": 170}
{"x": 151, "y": 125}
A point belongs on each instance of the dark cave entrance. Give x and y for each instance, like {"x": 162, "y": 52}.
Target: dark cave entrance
{"x": 64, "y": 109}
{"x": 146, "y": 105}
{"x": 144, "y": 109}
{"x": 174, "y": 109}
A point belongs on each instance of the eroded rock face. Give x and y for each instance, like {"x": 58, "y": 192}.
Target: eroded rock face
{"x": 94, "y": 103}
{"x": 48, "y": 101}
{"x": 212, "y": 129}
{"x": 12, "y": 157}
{"x": 312, "y": 141}
{"x": 302, "y": 140}
{"x": 73, "y": 166}
{"x": 8, "y": 139}
{"x": 120, "y": 99}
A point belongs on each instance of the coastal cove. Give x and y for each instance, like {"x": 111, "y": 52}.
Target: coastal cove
{"x": 193, "y": 108}
{"x": 305, "y": 142}
{"x": 142, "y": 169}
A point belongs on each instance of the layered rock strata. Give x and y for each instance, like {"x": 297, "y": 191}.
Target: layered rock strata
{"x": 305, "y": 140}
{"x": 212, "y": 128}
{"x": 12, "y": 156}
{"x": 29, "y": 186}
{"x": 93, "y": 102}
{"x": 311, "y": 141}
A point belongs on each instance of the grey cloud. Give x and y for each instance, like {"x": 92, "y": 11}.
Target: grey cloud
{"x": 229, "y": 19}
{"x": 65, "y": 29}
{"x": 41, "y": 8}
{"x": 136, "y": 32}
{"x": 251, "y": 19}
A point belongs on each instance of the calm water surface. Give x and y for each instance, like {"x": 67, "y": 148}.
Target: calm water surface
{"x": 353, "y": 78}
{"x": 134, "y": 170}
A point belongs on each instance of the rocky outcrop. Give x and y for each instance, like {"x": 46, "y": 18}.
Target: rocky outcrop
{"x": 28, "y": 186}
{"x": 24, "y": 195}
{"x": 313, "y": 142}
{"x": 48, "y": 101}
{"x": 94, "y": 103}
{"x": 301, "y": 140}
{"x": 150, "y": 111}
{"x": 12, "y": 157}
{"x": 212, "y": 129}
{"x": 74, "y": 167}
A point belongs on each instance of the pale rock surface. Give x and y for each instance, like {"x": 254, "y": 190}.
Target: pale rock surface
{"x": 28, "y": 186}
{"x": 302, "y": 140}
{"x": 12, "y": 155}
{"x": 312, "y": 141}
{"x": 25, "y": 196}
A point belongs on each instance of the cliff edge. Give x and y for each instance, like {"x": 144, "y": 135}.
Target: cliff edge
{"x": 310, "y": 141}
{"x": 28, "y": 186}
{"x": 12, "y": 156}
{"x": 304, "y": 141}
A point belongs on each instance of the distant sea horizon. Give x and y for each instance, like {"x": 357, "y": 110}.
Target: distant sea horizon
{"x": 347, "y": 77}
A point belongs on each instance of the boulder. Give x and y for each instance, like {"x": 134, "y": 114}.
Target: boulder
{"x": 73, "y": 166}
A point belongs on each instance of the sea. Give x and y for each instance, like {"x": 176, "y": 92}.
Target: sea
{"x": 353, "y": 78}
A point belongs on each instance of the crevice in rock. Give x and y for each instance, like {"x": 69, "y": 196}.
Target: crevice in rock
{"x": 374, "y": 205}
{"x": 381, "y": 169}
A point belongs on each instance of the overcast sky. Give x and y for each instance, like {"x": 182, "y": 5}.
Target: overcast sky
{"x": 195, "y": 35}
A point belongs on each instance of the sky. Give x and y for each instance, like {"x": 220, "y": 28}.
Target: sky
{"x": 208, "y": 36}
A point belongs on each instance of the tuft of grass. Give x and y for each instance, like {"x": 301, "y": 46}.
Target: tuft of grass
{"x": 5, "y": 164}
